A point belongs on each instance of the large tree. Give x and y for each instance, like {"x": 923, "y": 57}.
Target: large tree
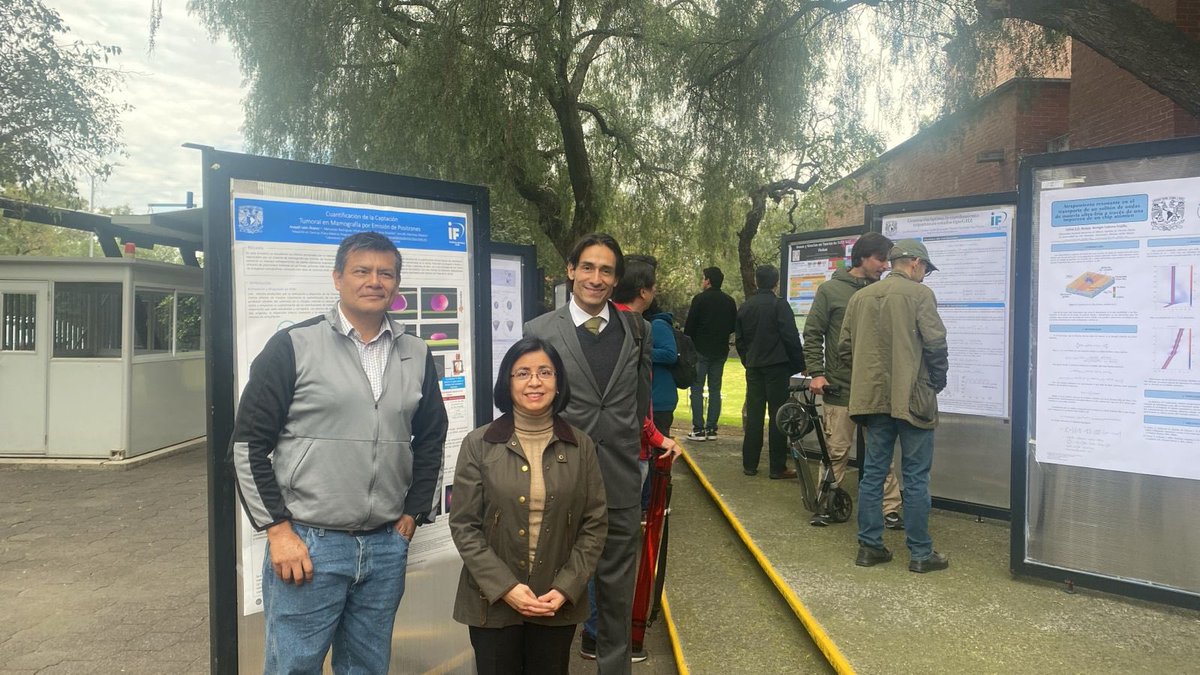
{"x": 55, "y": 116}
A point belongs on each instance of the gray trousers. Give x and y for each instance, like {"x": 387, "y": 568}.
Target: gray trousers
{"x": 616, "y": 575}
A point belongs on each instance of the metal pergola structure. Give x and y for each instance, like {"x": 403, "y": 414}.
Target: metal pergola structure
{"x": 181, "y": 229}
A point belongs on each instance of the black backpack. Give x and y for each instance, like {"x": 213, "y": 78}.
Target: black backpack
{"x": 684, "y": 370}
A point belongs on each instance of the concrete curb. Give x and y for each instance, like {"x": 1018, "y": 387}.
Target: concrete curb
{"x": 25, "y": 463}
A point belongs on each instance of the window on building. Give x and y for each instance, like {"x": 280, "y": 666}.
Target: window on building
{"x": 18, "y": 322}
{"x": 188, "y": 335}
{"x": 87, "y": 320}
{"x": 153, "y": 315}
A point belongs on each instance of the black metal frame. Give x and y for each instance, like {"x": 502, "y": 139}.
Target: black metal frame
{"x": 873, "y": 215}
{"x": 219, "y": 168}
{"x": 1023, "y": 361}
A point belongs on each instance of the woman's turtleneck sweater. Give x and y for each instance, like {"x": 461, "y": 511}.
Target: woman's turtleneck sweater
{"x": 534, "y": 434}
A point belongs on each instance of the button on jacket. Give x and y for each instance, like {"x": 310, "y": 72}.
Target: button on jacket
{"x": 489, "y": 522}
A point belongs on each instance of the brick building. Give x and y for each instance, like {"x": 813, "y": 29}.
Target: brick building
{"x": 978, "y": 150}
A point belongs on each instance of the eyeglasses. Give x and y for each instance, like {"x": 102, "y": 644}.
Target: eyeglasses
{"x": 542, "y": 374}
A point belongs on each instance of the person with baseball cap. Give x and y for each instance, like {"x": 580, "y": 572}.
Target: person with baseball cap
{"x": 894, "y": 343}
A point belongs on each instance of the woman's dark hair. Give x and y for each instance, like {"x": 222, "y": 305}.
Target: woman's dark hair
{"x": 870, "y": 245}
{"x": 502, "y": 394}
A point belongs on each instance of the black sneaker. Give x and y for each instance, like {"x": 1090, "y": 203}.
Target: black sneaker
{"x": 711, "y": 434}
{"x": 750, "y": 472}
{"x": 869, "y": 556}
{"x": 638, "y": 655}
{"x": 893, "y": 521}
{"x": 933, "y": 563}
{"x": 698, "y": 435}
{"x": 820, "y": 520}
{"x": 587, "y": 647}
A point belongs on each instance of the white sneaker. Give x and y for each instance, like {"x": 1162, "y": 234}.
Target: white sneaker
{"x": 697, "y": 436}
{"x": 638, "y": 655}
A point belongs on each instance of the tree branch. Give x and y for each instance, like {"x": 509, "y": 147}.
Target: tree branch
{"x": 1155, "y": 51}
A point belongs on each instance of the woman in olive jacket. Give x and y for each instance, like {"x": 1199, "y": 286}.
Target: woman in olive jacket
{"x": 529, "y": 519}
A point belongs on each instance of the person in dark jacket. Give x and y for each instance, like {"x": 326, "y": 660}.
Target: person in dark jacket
{"x": 710, "y": 320}
{"x": 769, "y": 346}
{"x": 337, "y": 449}
{"x": 529, "y": 520}
{"x": 831, "y": 377}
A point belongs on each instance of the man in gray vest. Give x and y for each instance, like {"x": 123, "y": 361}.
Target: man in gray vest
{"x": 606, "y": 353}
{"x": 338, "y": 451}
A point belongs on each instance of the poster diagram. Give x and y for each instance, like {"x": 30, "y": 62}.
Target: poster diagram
{"x": 1090, "y": 284}
{"x": 1174, "y": 285}
{"x": 1174, "y": 348}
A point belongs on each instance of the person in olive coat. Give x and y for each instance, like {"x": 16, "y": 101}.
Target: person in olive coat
{"x": 529, "y": 520}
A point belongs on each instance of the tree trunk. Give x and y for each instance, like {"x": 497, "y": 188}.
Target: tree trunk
{"x": 1155, "y": 51}
{"x": 586, "y": 216}
{"x": 745, "y": 236}
{"x": 776, "y": 191}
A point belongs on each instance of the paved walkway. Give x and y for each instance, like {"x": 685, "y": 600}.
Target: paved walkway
{"x": 104, "y": 571}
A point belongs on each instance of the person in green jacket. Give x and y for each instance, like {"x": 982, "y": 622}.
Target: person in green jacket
{"x": 894, "y": 342}
{"x": 831, "y": 377}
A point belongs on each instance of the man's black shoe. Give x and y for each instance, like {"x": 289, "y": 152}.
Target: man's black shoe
{"x": 820, "y": 520}
{"x": 750, "y": 472}
{"x": 893, "y": 521}
{"x": 587, "y": 647}
{"x": 869, "y": 555}
{"x": 933, "y": 563}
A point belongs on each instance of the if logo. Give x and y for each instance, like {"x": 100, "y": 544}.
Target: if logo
{"x": 454, "y": 231}
{"x": 998, "y": 218}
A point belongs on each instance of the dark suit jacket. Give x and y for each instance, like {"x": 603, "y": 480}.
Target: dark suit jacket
{"x": 610, "y": 413}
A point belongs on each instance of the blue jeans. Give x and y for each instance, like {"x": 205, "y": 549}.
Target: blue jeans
{"x": 712, "y": 369}
{"x": 350, "y": 604}
{"x": 916, "y": 458}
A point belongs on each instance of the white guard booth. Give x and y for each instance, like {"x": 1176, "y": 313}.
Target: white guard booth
{"x": 100, "y": 358}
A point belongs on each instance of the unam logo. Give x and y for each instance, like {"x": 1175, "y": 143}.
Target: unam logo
{"x": 890, "y": 227}
{"x": 1166, "y": 213}
{"x": 250, "y": 219}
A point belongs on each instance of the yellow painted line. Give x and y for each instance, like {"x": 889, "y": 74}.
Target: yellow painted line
{"x": 680, "y": 663}
{"x": 819, "y": 636}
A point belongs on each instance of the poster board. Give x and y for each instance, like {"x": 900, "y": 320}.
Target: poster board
{"x": 272, "y": 230}
{"x": 515, "y": 298}
{"x": 970, "y": 239}
{"x": 808, "y": 260}
{"x": 1104, "y": 444}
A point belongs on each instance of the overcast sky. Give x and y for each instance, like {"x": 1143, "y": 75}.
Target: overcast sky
{"x": 187, "y": 90}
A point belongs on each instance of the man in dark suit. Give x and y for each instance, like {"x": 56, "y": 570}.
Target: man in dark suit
{"x": 606, "y": 353}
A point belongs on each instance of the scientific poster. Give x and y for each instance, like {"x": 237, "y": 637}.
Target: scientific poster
{"x": 972, "y": 249}
{"x": 1118, "y": 364}
{"x": 283, "y": 257}
{"x": 810, "y": 264}
{"x": 507, "y": 310}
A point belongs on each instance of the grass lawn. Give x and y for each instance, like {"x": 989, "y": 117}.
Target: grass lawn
{"x": 733, "y": 397}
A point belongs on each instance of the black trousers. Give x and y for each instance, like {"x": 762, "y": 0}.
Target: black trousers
{"x": 766, "y": 389}
{"x": 524, "y": 649}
